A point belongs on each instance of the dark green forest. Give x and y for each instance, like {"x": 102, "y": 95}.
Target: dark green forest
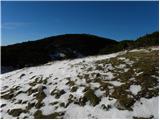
{"x": 144, "y": 41}
{"x": 68, "y": 46}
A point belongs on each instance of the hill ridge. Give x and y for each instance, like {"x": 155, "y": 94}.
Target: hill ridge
{"x": 68, "y": 46}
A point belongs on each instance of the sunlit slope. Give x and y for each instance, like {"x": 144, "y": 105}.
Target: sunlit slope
{"x": 119, "y": 85}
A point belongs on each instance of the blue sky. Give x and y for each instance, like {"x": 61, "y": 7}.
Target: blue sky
{"x": 23, "y": 21}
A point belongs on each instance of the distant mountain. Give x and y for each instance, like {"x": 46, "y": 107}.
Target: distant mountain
{"x": 148, "y": 40}
{"x": 68, "y": 46}
{"x": 143, "y": 41}
{"x": 59, "y": 47}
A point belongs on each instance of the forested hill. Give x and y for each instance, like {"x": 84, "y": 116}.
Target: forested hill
{"x": 68, "y": 46}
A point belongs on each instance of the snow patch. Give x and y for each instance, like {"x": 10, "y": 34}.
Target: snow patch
{"x": 135, "y": 89}
{"x": 116, "y": 83}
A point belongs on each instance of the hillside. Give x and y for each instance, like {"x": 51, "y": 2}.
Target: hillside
{"x": 52, "y": 48}
{"x": 67, "y": 46}
{"x": 118, "y": 85}
{"x": 143, "y": 41}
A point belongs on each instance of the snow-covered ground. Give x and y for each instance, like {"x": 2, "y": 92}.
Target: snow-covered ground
{"x": 92, "y": 87}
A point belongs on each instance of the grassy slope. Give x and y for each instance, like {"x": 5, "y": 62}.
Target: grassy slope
{"x": 103, "y": 87}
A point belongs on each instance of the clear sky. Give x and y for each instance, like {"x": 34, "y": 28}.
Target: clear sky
{"x": 23, "y": 21}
